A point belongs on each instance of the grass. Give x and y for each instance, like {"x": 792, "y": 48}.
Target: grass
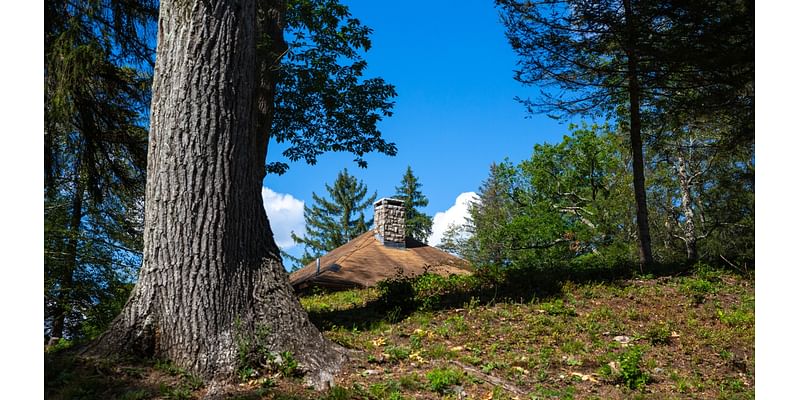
{"x": 688, "y": 336}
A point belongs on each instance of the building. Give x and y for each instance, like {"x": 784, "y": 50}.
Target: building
{"x": 381, "y": 253}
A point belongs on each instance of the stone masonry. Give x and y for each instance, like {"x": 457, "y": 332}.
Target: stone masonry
{"x": 390, "y": 222}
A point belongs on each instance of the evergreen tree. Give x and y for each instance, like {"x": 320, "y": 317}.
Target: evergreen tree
{"x": 97, "y": 74}
{"x": 489, "y": 214}
{"x": 598, "y": 53}
{"x": 418, "y": 225}
{"x": 333, "y": 222}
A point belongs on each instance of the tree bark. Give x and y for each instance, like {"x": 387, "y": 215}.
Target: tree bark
{"x": 690, "y": 234}
{"x": 212, "y": 277}
{"x": 639, "y": 188}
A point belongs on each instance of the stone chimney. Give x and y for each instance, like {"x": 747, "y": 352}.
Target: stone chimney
{"x": 390, "y": 222}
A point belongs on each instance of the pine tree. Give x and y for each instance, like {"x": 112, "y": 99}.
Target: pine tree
{"x": 97, "y": 74}
{"x": 333, "y": 222}
{"x": 418, "y": 225}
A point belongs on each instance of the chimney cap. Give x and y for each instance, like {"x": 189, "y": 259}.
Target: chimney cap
{"x": 389, "y": 200}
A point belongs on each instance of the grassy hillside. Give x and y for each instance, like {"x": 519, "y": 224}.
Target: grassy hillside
{"x": 688, "y": 336}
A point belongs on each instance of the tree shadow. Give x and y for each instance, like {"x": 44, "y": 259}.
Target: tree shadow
{"x": 403, "y": 296}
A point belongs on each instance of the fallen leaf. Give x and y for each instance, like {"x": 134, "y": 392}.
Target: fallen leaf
{"x": 522, "y": 370}
{"x": 379, "y": 342}
{"x": 457, "y": 348}
{"x": 584, "y": 377}
{"x": 415, "y": 357}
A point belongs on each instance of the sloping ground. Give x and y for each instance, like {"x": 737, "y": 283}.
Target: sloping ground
{"x": 673, "y": 337}
{"x": 364, "y": 261}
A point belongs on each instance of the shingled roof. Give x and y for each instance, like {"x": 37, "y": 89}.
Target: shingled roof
{"x": 378, "y": 254}
{"x": 364, "y": 261}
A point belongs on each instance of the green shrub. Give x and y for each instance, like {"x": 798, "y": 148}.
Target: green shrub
{"x": 558, "y": 307}
{"x": 397, "y": 294}
{"x": 631, "y": 372}
{"x": 58, "y": 346}
{"x": 441, "y": 379}
{"x": 659, "y": 334}
{"x": 398, "y": 352}
{"x": 288, "y": 366}
{"x": 628, "y": 370}
{"x": 697, "y": 289}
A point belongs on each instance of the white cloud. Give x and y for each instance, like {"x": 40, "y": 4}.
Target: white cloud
{"x": 285, "y": 215}
{"x": 456, "y": 214}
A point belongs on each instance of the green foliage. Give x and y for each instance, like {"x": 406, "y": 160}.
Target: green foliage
{"x": 568, "y": 202}
{"x": 61, "y": 344}
{"x": 397, "y": 294}
{"x": 97, "y": 78}
{"x": 398, "y": 352}
{"x": 661, "y": 69}
{"x": 322, "y": 102}
{"x": 659, "y": 334}
{"x": 441, "y": 379}
{"x": 332, "y": 222}
{"x": 289, "y": 365}
{"x": 558, "y": 307}
{"x": 418, "y": 225}
{"x": 628, "y": 370}
{"x": 401, "y": 295}
{"x": 698, "y": 289}
{"x": 741, "y": 316}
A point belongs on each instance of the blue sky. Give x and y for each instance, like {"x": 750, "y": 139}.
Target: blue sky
{"x": 454, "y": 115}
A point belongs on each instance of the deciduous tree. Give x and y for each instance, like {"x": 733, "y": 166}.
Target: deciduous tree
{"x": 212, "y": 291}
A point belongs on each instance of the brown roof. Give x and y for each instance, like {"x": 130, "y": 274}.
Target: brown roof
{"x": 364, "y": 261}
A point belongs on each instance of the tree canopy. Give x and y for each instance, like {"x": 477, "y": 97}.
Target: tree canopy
{"x": 566, "y": 202}
{"x": 322, "y": 102}
{"x": 640, "y": 63}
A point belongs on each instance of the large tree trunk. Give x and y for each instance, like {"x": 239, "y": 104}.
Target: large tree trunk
{"x": 211, "y": 277}
{"x": 639, "y": 188}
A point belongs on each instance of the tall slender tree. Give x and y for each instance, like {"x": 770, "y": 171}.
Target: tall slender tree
{"x": 97, "y": 69}
{"x": 418, "y": 224}
{"x": 598, "y": 52}
{"x": 333, "y": 222}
